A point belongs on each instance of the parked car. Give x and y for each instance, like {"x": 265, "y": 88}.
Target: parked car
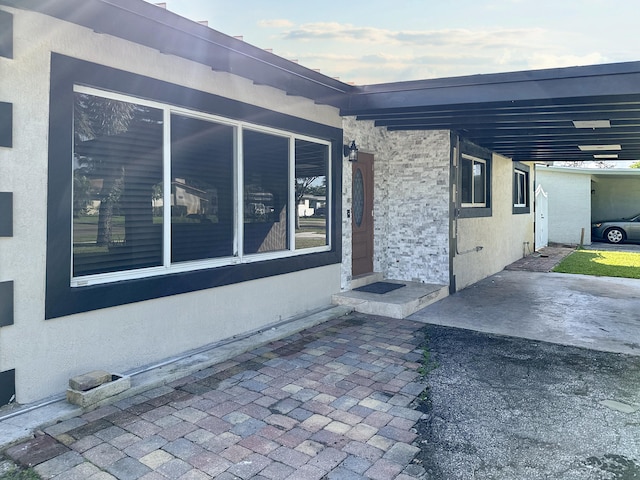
{"x": 617, "y": 231}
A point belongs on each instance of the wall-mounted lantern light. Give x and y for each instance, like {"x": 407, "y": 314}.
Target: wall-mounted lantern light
{"x": 351, "y": 151}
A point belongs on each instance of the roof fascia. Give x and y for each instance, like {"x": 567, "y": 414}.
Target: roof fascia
{"x": 595, "y": 82}
{"x": 146, "y": 24}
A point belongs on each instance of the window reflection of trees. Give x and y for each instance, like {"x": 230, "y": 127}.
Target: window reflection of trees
{"x": 117, "y": 168}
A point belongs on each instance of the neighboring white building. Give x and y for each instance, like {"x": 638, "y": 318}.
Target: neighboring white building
{"x": 311, "y": 205}
{"x": 579, "y": 196}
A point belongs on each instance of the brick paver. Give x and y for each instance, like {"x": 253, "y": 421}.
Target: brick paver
{"x": 334, "y": 401}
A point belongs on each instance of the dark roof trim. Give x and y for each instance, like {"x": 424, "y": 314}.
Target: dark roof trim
{"x": 154, "y": 27}
{"x": 535, "y": 87}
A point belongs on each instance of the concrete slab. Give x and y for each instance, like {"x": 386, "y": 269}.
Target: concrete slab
{"x": 399, "y": 303}
{"x": 620, "y": 247}
{"x": 600, "y": 313}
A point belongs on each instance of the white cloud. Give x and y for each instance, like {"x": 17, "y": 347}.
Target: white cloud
{"x": 493, "y": 38}
{"x": 542, "y": 60}
{"x": 376, "y": 55}
{"x": 275, "y": 23}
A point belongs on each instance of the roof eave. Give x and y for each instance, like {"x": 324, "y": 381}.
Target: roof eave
{"x": 146, "y": 24}
{"x": 531, "y": 87}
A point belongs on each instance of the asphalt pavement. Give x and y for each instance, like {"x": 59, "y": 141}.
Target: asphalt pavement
{"x": 505, "y": 408}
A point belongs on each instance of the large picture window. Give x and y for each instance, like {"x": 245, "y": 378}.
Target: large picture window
{"x": 129, "y": 221}
{"x": 156, "y": 189}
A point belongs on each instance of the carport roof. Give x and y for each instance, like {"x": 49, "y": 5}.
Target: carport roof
{"x": 525, "y": 115}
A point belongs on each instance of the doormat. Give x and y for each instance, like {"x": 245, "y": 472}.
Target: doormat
{"x": 380, "y": 287}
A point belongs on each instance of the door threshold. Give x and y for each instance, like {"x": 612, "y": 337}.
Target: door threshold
{"x": 365, "y": 279}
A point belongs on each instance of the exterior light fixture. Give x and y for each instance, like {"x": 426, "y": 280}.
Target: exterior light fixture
{"x": 598, "y": 148}
{"x": 351, "y": 151}
{"x": 592, "y": 123}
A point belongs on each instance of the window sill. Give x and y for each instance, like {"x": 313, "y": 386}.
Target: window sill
{"x": 474, "y": 212}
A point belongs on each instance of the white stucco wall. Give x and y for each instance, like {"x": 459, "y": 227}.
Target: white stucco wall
{"x": 411, "y": 210}
{"x": 569, "y": 196}
{"x": 502, "y": 236}
{"x": 46, "y": 353}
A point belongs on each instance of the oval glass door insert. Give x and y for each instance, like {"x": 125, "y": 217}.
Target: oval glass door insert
{"x": 358, "y": 197}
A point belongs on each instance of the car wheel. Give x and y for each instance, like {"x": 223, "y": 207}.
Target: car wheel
{"x": 614, "y": 235}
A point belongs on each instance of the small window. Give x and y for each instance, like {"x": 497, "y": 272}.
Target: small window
{"x": 473, "y": 182}
{"x": 520, "y": 189}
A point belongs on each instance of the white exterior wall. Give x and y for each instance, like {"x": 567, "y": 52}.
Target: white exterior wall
{"x": 502, "y": 236}
{"x": 615, "y": 197}
{"x": 46, "y": 353}
{"x": 569, "y": 205}
{"x": 411, "y": 209}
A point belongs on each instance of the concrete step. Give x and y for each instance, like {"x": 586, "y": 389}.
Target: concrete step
{"x": 399, "y": 303}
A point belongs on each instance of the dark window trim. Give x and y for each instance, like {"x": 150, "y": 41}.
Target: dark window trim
{"x": 7, "y": 386}
{"x": 6, "y": 124}
{"x": 468, "y": 148}
{"x": 61, "y": 298}
{"x": 523, "y": 168}
{"x": 6, "y": 304}
{"x": 6, "y": 214}
{"x": 6, "y": 34}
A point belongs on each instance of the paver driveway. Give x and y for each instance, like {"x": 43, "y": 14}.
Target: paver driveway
{"x": 334, "y": 401}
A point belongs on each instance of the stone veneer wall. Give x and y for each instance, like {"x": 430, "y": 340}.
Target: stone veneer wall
{"x": 411, "y": 202}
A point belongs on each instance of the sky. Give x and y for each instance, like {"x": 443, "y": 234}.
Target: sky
{"x": 379, "y": 41}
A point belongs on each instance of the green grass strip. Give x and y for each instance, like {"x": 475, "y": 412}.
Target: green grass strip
{"x": 17, "y": 474}
{"x": 601, "y": 263}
